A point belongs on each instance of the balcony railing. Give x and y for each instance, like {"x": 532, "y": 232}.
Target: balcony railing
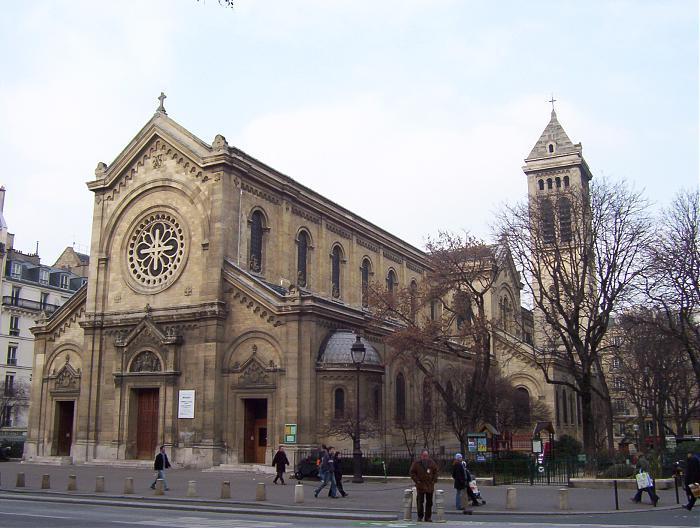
{"x": 36, "y": 306}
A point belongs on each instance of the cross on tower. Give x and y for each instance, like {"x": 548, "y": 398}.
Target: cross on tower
{"x": 161, "y": 98}
{"x": 552, "y": 100}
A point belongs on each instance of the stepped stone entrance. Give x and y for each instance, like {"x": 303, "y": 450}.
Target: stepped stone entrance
{"x": 147, "y": 423}
{"x": 64, "y": 427}
{"x": 255, "y": 430}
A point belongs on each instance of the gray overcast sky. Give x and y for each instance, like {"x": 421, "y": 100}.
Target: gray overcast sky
{"x": 415, "y": 114}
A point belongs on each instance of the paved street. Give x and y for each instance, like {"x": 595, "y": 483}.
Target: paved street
{"x": 17, "y": 514}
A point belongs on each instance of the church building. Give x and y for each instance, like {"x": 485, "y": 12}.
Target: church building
{"x": 222, "y": 303}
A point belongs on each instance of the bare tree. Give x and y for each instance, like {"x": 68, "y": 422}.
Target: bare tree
{"x": 12, "y": 397}
{"x": 445, "y": 319}
{"x": 673, "y": 281}
{"x": 579, "y": 258}
{"x": 344, "y": 428}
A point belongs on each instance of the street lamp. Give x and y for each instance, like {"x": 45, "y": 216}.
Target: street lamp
{"x": 357, "y": 352}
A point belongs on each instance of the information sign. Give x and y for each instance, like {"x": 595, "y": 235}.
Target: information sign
{"x": 185, "y": 407}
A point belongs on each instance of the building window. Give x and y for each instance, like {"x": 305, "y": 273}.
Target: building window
{"x": 14, "y": 325}
{"x": 339, "y": 404}
{"x": 549, "y": 183}
{"x": 433, "y": 309}
{"x": 12, "y": 354}
{"x": 564, "y": 407}
{"x": 376, "y": 403}
{"x": 565, "y": 220}
{"x": 16, "y": 270}
{"x": 550, "y": 148}
{"x": 618, "y": 383}
{"x": 506, "y": 307}
{"x": 15, "y": 295}
{"x": 9, "y": 384}
{"x": 256, "y": 242}
{"x": 365, "y": 271}
{"x": 336, "y": 257}
{"x": 44, "y": 302}
{"x": 557, "y": 411}
{"x": 302, "y": 255}
{"x": 400, "y": 398}
{"x": 547, "y": 219}
{"x": 521, "y": 407}
{"x": 391, "y": 282}
{"x": 557, "y": 181}
{"x": 540, "y": 183}
{"x": 566, "y": 181}
{"x": 43, "y": 276}
{"x": 6, "y": 418}
{"x": 463, "y": 310}
{"x": 616, "y": 363}
{"x": 64, "y": 281}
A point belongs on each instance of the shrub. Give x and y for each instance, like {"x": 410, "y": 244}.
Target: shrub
{"x": 567, "y": 446}
{"x": 618, "y": 471}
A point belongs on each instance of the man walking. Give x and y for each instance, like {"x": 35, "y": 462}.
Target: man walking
{"x": 644, "y": 467}
{"x": 280, "y": 462}
{"x": 424, "y": 473}
{"x": 692, "y": 476}
{"x": 327, "y": 473}
{"x": 160, "y": 465}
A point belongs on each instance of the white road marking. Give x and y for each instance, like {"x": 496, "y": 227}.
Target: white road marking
{"x": 201, "y": 522}
{"x": 35, "y": 515}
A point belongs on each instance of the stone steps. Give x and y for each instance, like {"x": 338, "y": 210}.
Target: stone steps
{"x": 50, "y": 460}
{"x": 242, "y": 468}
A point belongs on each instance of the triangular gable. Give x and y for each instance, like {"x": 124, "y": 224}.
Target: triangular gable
{"x": 553, "y": 133}
{"x": 149, "y": 328}
{"x": 67, "y": 314}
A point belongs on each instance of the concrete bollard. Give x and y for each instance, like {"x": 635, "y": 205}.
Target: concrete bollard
{"x": 191, "y": 488}
{"x": 99, "y": 484}
{"x": 20, "y": 480}
{"x": 128, "y": 485}
{"x": 159, "y": 487}
{"x": 407, "y": 504}
{"x": 440, "y": 506}
{"x": 563, "y": 498}
{"x": 226, "y": 489}
{"x": 72, "y": 483}
{"x": 260, "y": 491}
{"x": 510, "y": 499}
{"x": 414, "y": 493}
{"x": 299, "y": 493}
{"x": 45, "y": 482}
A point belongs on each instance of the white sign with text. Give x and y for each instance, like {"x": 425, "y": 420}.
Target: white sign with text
{"x": 185, "y": 408}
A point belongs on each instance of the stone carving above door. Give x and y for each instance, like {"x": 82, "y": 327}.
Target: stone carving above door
{"x": 146, "y": 362}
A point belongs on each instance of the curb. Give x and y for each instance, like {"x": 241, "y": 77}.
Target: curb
{"x": 559, "y": 512}
{"x": 188, "y": 506}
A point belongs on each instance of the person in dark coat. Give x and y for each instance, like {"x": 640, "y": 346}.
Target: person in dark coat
{"x": 280, "y": 462}
{"x": 327, "y": 473}
{"x": 160, "y": 464}
{"x": 692, "y": 476}
{"x": 424, "y": 473}
{"x": 338, "y": 471}
{"x": 459, "y": 475}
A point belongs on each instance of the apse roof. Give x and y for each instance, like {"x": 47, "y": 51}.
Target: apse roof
{"x": 336, "y": 349}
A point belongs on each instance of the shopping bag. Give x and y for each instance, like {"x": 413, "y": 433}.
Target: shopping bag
{"x": 695, "y": 490}
{"x": 644, "y": 480}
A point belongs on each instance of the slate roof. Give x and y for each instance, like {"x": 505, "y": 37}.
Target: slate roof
{"x": 553, "y": 133}
{"x": 336, "y": 349}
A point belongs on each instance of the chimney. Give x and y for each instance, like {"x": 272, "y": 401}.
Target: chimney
{"x": 2, "y": 199}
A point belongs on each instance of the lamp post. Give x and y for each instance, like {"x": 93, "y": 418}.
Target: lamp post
{"x": 358, "y": 352}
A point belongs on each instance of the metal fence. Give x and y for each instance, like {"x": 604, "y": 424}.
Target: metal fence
{"x": 504, "y": 468}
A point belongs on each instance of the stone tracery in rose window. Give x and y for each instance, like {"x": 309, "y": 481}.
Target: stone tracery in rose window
{"x": 156, "y": 250}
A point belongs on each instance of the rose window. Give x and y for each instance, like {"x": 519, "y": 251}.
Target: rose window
{"x": 156, "y": 250}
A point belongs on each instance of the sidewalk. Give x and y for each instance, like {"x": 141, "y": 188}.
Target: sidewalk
{"x": 374, "y": 497}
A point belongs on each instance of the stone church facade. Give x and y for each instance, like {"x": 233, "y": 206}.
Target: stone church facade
{"x": 222, "y": 301}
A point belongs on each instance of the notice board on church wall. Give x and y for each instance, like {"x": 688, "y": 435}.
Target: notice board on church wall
{"x": 185, "y": 406}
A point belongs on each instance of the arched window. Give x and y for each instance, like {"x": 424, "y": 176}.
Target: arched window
{"x": 550, "y": 148}
{"x": 427, "y": 401}
{"x": 549, "y": 183}
{"x": 557, "y": 180}
{"x": 564, "y": 219}
{"x": 413, "y": 292}
{"x": 376, "y": 403}
{"x": 547, "y": 218}
{"x": 433, "y": 309}
{"x": 339, "y": 404}
{"x": 336, "y": 256}
{"x": 256, "y": 241}
{"x": 541, "y": 185}
{"x": 521, "y": 407}
{"x": 365, "y": 271}
{"x": 463, "y": 309}
{"x": 400, "y": 398}
{"x": 506, "y": 311}
{"x": 566, "y": 181}
{"x": 302, "y": 253}
{"x": 391, "y": 281}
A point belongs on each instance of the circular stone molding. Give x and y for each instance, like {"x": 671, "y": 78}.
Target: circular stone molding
{"x": 156, "y": 251}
